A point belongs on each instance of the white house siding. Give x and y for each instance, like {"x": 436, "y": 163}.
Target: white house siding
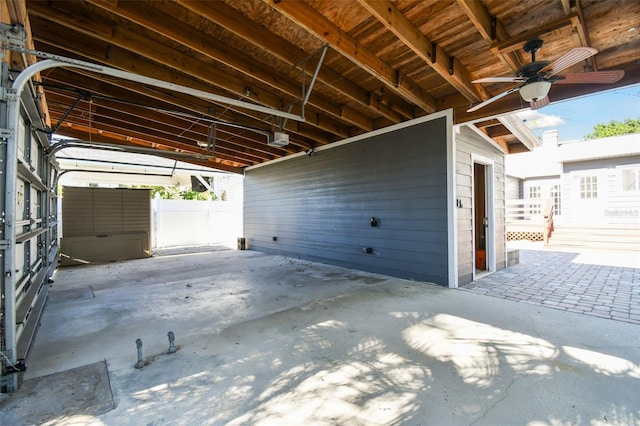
{"x": 513, "y": 188}
{"x": 613, "y": 206}
{"x": 467, "y": 144}
{"x": 231, "y": 188}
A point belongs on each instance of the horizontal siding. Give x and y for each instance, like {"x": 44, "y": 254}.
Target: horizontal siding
{"x": 468, "y": 143}
{"x": 320, "y": 207}
{"x": 101, "y": 211}
{"x": 107, "y": 212}
{"x": 613, "y": 206}
{"x": 77, "y": 212}
{"x": 512, "y": 189}
{"x": 136, "y": 211}
{"x": 101, "y": 224}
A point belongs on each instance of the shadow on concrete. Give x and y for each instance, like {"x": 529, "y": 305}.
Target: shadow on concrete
{"x": 272, "y": 340}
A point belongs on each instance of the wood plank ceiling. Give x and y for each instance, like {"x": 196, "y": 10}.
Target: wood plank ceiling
{"x": 386, "y": 62}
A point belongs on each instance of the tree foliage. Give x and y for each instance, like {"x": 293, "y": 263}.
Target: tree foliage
{"x": 615, "y": 128}
{"x": 164, "y": 193}
{"x": 168, "y": 192}
{"x": 193, "y": 195}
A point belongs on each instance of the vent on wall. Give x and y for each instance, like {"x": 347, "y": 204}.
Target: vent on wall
{"x": 278, "y": 139}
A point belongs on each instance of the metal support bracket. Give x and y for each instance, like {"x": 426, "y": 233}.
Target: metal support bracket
{"x": 7, "y": 379}
{"x": 18, "y": 367}
{"x": 211, "y": 140}
{"x": 12, "y": 35}
{"x": 6, "y": 133}
{"x": 8, "y": 94}
{"x": 306, "y": 91}
{"x": 81, "y": 96}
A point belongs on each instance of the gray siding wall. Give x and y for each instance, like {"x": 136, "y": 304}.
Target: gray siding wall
{"x": 320, "y": 207}
{"x": 468, "y": 143}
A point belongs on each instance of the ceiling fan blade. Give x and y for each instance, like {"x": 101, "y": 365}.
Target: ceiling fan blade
{"x": 500, "y": 80}
{"x": 570, "y": 58}
{"x": 595, "y": 77}
{"x": 539, "y": 103}
{"x": 493, "y": 99}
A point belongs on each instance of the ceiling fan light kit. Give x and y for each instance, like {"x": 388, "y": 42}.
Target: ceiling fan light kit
{"x": 534, "y": 91}
{"x": 535, "y": 79}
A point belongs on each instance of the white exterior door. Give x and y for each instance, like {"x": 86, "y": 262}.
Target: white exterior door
{"x": 589, "y": 195}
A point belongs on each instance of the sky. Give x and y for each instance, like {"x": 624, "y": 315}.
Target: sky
{"x": 576, "y": 118}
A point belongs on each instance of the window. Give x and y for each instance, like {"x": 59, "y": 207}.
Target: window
{"x": 535, "y": 207}
{"x": 534, "y": 192}
{"x": 555, "y": 194}
{"x": 630, "y": 179}
{"x": 589, "y": 187}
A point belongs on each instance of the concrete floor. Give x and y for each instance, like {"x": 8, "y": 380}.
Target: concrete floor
{"x": 272, "y": 340}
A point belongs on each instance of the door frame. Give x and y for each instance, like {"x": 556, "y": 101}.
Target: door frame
{"x": 490, "y": 200}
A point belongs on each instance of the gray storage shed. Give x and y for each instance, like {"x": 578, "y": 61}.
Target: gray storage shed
{"x": 398, "y": 201}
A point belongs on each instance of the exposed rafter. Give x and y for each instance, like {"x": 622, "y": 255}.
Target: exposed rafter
{"x": 582, "y": 34}
{"x": 168, "y": 57}
{"x": 491, "y": 29}
{"x": 178, "y": 31}
{"x": 433, "y": 54}
{"x": 230, "y": 19}
{"x": 387, "y": 61}
{"x": 516, "y": 42}
{"x": 309, "y": 19}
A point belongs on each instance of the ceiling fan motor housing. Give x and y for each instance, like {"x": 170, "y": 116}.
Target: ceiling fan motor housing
{"x": 530, "y": 71}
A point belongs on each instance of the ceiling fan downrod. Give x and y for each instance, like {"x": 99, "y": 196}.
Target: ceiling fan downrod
{"x": 533, "y": 46}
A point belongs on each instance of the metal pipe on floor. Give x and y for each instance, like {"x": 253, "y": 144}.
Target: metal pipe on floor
{"x": 140, "y": 362}
{"x": 172, "y": 347}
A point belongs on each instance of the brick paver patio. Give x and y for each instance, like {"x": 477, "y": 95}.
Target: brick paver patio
{"x": 559, "y": 280}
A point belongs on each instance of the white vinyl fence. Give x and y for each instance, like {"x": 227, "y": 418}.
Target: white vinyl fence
{"x": 193, "y": 222}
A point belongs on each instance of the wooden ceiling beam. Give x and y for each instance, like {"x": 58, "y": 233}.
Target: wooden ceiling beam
{"x": 82, "y": 82}
{"x": 306, "y": 17}
{"x": 235, "y": 22}
{"x": 516, "y": 42}
{"x": 172, "y": 58}
{"x": 490, "y": 28}
{"x": 581, "y": 35}
{"x": 80, "y": 132}
{"x": 152, "y": 138}
{"x": 103, "y": 113}
{"x": 139, "y": 132}
{"x": 502, "y": 142}
{"x": 167, "y": 26}
{"x": 191, "y": 125}
{"x": 447, "y": 67}
{"x": 116, "y": 140}
{"x": 221, "y": 152}
{"x": 497, "y": 131}
{"x": 119, "y": 58}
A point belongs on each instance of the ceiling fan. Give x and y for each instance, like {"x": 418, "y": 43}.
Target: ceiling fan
{"x": 535, "y": 79}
